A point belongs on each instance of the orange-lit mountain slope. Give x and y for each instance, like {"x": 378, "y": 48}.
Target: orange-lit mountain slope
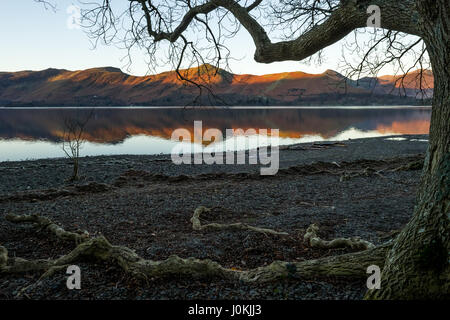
{"x": 110, "y": 86}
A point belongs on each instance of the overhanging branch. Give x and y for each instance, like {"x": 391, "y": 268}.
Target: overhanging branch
{"x": 348, "y": 16}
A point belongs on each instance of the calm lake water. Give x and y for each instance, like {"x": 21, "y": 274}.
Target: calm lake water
{"x": 35, "y": 133}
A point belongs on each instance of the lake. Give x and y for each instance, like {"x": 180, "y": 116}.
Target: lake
{"x": 35, "y": 133}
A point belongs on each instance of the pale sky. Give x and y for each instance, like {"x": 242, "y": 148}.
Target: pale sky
{"x": 35, "y": 39}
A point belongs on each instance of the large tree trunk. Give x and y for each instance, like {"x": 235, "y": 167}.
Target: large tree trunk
{"x": 418, "y": 265}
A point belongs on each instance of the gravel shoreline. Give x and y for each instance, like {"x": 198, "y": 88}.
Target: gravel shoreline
{"x": 146, "y": 202}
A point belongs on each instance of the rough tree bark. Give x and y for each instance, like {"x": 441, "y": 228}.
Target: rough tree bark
{"x": 418, "y": 264}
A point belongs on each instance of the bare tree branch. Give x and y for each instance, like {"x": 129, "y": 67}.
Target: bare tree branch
{"x": 306, "y": 28}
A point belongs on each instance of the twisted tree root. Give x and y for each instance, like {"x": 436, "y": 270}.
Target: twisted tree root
{"x": 352, "y": 265}
{"x": 99, "y": 249}
{"x": 196, "y": 224}
{"x": 413, "y": 165}
{"x": 46, "y": 224}
{"x": 315, "y": 241}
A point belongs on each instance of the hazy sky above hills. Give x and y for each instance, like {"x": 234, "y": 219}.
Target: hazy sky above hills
{"x": 34, "y": 39}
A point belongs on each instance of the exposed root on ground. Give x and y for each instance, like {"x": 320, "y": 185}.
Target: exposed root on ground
{"x": 352, "y": 265}
{"x": 196, "y": 224}
{"x": 50, "y": 194}
{"x": 43, "y": 223}
{"x": 413, "y": 165}
{"x": 313, "y": 240}
{"x": 345, "y": 169}
{"x": 367, "y": 172}
{"x": 99, "y": 249}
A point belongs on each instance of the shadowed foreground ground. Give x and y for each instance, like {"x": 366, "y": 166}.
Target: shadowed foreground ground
{"x": 146, "y": 202}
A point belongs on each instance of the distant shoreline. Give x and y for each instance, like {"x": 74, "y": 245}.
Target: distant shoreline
{"x": 411, "y": 138}
{"x": 364, "y": 148}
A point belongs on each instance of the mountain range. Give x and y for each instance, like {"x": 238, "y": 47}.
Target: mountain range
{"x": 110, "y": 86}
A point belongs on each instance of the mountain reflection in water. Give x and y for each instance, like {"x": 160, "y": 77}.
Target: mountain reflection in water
{"x": 35, "y": 133}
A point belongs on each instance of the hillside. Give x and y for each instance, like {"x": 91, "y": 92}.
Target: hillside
{"x": 109, "y": 86}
